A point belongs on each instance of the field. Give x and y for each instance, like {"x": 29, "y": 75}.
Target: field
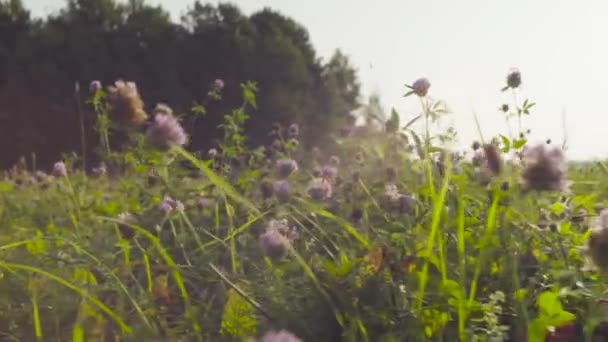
{"x": 384, "y": 236}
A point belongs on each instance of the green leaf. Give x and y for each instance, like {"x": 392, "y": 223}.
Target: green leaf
{"x": 519, "y": 143}
{"x": 392, "y": 124}
{"x": 506, "y": 142}
{"x": 558, "y": 208}
{"x": 549, "y": 304}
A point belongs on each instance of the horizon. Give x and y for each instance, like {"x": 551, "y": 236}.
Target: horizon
{"x": 466, "y": 57}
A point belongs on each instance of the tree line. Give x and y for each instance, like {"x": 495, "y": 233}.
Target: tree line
{"x": 46, "y": 65}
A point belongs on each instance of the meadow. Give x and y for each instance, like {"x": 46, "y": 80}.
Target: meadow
{"x": 387, "y": 235}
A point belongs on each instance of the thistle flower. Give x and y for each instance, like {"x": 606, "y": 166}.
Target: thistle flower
{"x": 545, "y": 169}
{"x": 319, "y": 189}
{"x": 282, "y": 190}
{"x": 59, "y": 169}
{"x": 169, "y": 205}
{"x": 328, "y": 172}
{"x": 276, "y": 238}
{"x": 166, "y": 131}
{"x": 597, "y": 245}
{"x": 514, "y": 78}
{"x": 94, "y": 86}
{"x": 285, "y": 167}
{"x": 421, "y": 87}
{"x": 127, "y": 105}
{"x": 281, "y": 336}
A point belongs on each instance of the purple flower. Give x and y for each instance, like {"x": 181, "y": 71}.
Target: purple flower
{"x": 59, "y": 170}
{"x": 203, "y": 203}
{"x": 514, "y": 78}
{"x": 285, "y": 167}
{"x": 280, "y": 336}
{"x": 282, "y": 189}
{"x": 319, "y": 189}
{"x": 169, "y": 205}
{"x": 421, "y": 87}
{"x": 329, "y": 172}
{"x": 94, "y": 86}
{"x": 218, "y": 84}
{"x": 166, "y": 131}
{"x": 276, "y": 238}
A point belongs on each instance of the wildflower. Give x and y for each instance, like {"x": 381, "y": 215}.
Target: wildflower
{"x": 597, "y": 245}
{"x": 281, "y": 336}
{"x": 328, "y": 172}
{"x": 169, "y": 205}
{"x": 94, "y": 86}
{"x": 421, "y": 87}
{"x": 59, "y": 170}
{"x": 127, "y": 105}
{"x": 100, "y": 169}
{"x": 276, "y": 238}
{"x": 218, "y": 84}
{"x": 203, "y": 203}
{"x": 319, "y": 189}
{"x": 285, "y": 167}
{"x": 282, "y": 190}
{"x": 545, "y": 169}
{"x": 166, "y": 131}
{"x": 212, "y": 153}
{"x": 294, "y": 130}
{"x": 514, "y": 78}
{"x": 407, "y": 204}
{"x": 126, "y": 219}
{"x": 162, "y": 108}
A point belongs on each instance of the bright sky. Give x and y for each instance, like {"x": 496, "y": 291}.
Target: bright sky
{"x": 465, "y": 49}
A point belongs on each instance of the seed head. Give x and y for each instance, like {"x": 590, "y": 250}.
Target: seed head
{"x": 329, "y": 172}
{"x": 493, "y": 160}
{"x": 545, "y": 169}
{"x": 514, "y": 78}
{"x": 421, "y": 87}
{"x": 127, "y": 105}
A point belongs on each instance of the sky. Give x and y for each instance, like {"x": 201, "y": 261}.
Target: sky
{"x": 465, "y": 48}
